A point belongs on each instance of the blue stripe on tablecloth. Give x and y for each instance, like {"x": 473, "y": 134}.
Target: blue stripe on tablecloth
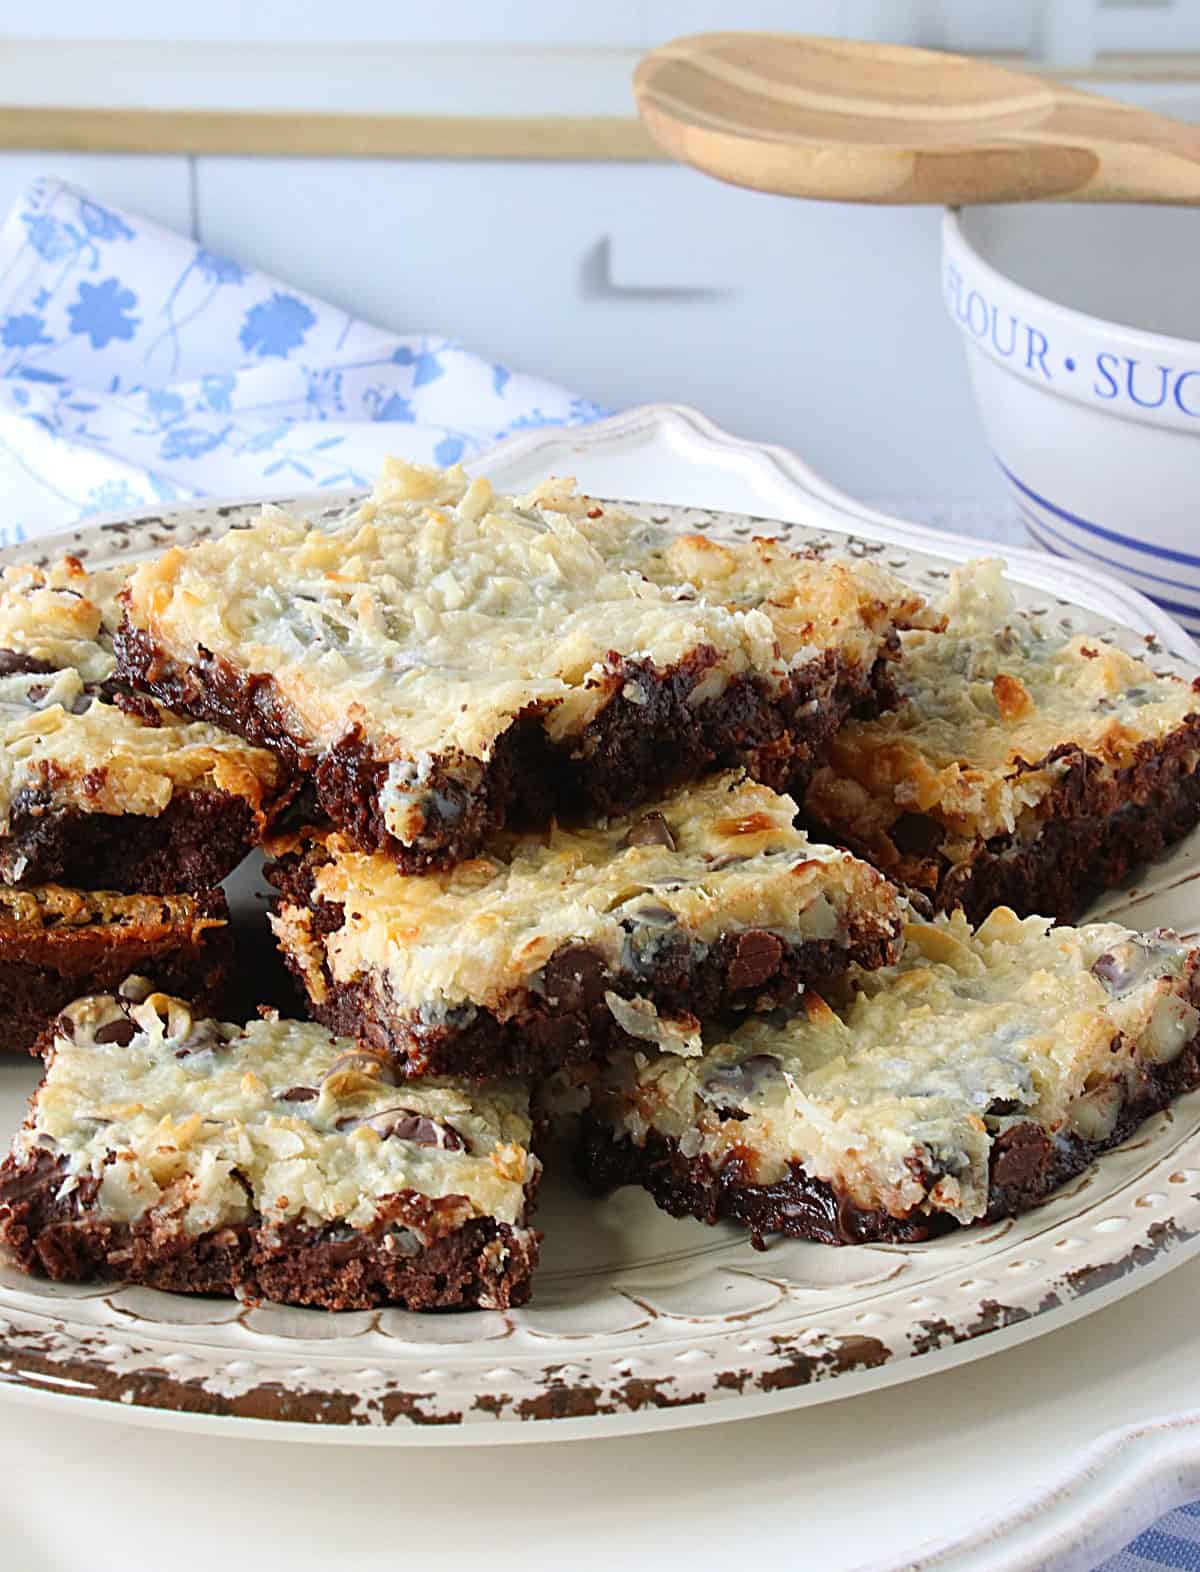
{"x": 1173, "y": 1543}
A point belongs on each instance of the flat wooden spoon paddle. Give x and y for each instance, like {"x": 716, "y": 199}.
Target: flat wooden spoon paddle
{"x": 863, "y": 122}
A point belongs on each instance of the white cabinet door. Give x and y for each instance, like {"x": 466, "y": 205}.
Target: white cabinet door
{"x": 813, "y": 325}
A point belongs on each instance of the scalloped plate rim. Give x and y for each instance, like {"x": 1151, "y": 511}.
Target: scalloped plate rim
{"x": 837, "y": 513}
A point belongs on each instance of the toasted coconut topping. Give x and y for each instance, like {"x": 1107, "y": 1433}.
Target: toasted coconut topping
{"x": 438, "y": 612}
{"x": 897, "y": 1096}
{"x": 64, "y": 742}
{"x": 996, "y": 710}
{"x": 716, "y": 858}
{"x": 202, "y": 1123}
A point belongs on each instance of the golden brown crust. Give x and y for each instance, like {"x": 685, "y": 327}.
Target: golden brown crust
{"x": 58, "y": 943}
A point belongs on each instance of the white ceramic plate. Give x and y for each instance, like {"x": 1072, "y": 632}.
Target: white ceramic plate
{"x": 640, "y": 1322}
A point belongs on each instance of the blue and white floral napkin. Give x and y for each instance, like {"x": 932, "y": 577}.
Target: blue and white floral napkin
{"x": 138, "y": 367}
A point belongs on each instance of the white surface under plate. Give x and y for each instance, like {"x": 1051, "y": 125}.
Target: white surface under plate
{"x": 643, "y": 1324}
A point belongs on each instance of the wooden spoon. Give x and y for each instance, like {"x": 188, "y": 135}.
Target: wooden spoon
{"x": 863, "y": 122}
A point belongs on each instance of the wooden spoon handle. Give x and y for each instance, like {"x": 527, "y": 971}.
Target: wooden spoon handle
{"x": 1139, "y": 156}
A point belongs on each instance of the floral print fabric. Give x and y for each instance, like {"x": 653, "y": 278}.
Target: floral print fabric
{"x": 137, "y": 367}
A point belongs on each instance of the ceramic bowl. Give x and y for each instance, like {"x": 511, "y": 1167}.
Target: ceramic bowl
{"x": 1082, "y": 331}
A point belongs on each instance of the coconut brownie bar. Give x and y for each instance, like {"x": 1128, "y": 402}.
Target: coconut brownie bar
{"x": 98, "y": 788}
{"x": 1023, "y": 768}
{"x": 965, "y": 1082}
{"x": 556, "y": 946}
{"x": 272, "y": 1161}
{"x": 444, "y": 660}
{"x": 56, "y": 944}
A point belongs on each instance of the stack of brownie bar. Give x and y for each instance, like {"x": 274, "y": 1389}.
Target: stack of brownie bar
{"x": 539, "y": 853}
{"x": 118, "y": 821}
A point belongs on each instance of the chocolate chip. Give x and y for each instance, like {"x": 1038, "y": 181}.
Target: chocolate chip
{"x": 760, "y": 1067}
{"x": 1109, "y": 970}
{"x": 121, "y": 1032}
{"x": 406, "y": 1124}
{"x": 80, "y": 704}
{"x": 1001, "y": 1108}
{"x": 1020, "y": 1157}
{"x": 140, "y": 705}
{"x": 12, "y": 662}
{"x": 37, "y": 691}
{"x": 756, "y": 957}
{"x": 575, "y": 979}
{"x": 29, "y": 1181}
{"x": 730, "y": 1082}
{"x": 298, "y": 1094}
{"x": 1129, "y": 964}
{"x": 201, "y": 1036}
{"x": 650, "y": 830}
{"x": 916, "y": 835}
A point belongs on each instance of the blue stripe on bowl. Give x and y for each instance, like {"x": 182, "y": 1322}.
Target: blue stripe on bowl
{"x": 1189, "y": 616}
{"x": 1166, "y": 552}
{"x": 1075, "y": 549}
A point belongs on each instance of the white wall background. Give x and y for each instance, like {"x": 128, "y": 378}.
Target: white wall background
{"x": 939, "y": 24}
{"x": 817, "y": 326}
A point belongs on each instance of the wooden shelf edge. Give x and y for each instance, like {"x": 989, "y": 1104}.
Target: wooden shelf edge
{"x": 250, "y": 133}
{"x": 351, "y": 134}
{"x": 1182, "y": 68}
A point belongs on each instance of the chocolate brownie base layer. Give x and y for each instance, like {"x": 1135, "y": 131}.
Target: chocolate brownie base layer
{"x": 573, "y": 1023}
{"x": 569, "y": 1020}
{"x": 41, "y": 972}
{"x": 1098, "y": 828}
{"x": 629, "y": 752}
{"x": 1027, "y": 1166}
{"x": 1074, "y": 860}
{"x": 199, "y": 839}
{"x": 480, "y": 1264}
